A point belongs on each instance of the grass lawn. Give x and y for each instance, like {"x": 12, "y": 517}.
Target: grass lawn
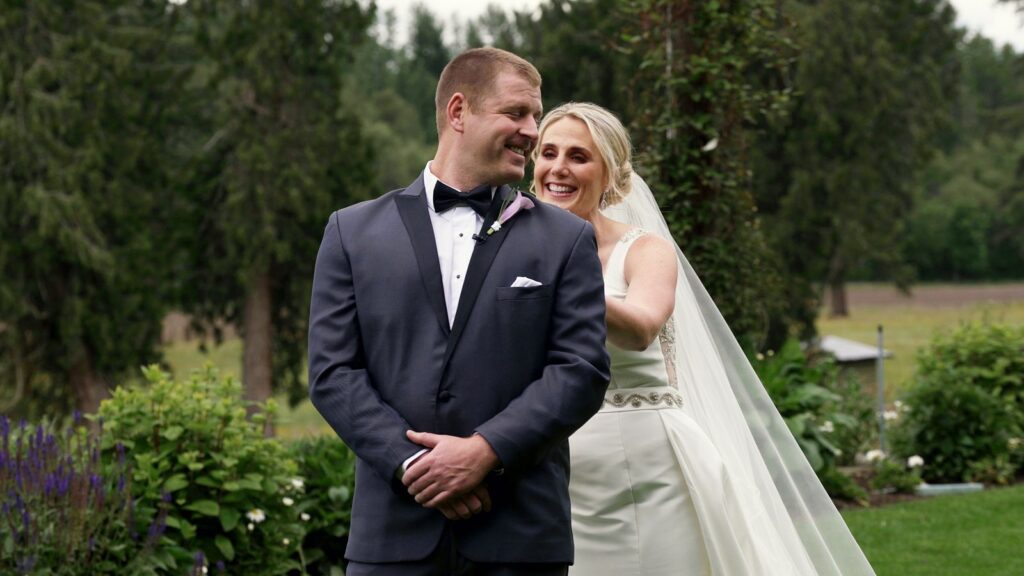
{"x": 909, "y": 327}
{"x": 961, "y": 535}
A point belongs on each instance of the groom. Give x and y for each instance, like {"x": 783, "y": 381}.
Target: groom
{"x": 456, "y": 339}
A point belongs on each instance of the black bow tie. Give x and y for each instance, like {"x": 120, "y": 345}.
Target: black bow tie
{"x": 446, "y": 197}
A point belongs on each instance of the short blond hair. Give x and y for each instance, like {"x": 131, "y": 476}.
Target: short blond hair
{"x": 474, "y": 73}
{"x": 611, "y": 139}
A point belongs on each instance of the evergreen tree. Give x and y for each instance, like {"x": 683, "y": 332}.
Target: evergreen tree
{"x": 87, "y": 101}
{"x": 277, "y": 152}
{"x": 875, "y": 85}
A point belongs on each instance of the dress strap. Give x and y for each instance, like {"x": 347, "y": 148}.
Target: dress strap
{"x": 632, "y": 234}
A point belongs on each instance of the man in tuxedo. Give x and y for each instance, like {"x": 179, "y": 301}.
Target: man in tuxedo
{"x": 456, "y": 340}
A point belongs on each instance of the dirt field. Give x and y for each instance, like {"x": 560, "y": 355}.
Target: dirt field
{"x": 934, "y": 295}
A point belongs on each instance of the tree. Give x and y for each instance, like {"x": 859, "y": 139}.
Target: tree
{"x": 277, "y": 151}
{"x": 875, "y": 84}
{"x": 576, "y": 45}
{"x": 86, "y": 103}
{"x": 421, "y": 66}
{"x": 697, "y": 97}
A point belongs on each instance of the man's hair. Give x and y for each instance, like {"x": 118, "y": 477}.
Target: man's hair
{"x": 474, "y": 73}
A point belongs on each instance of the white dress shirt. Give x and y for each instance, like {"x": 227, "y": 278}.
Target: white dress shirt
{"x": 453, "y": 234}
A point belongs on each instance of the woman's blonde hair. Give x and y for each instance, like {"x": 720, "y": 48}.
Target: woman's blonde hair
{"x": 612, "y": 143}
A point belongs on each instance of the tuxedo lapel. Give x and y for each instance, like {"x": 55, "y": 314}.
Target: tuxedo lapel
{"x": 412, "y": 207}
{"x": 479, "y": 264}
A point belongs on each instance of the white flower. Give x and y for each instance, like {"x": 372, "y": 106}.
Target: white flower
{"x": 711, "y": 145}
{"x": 286, "y": 541}
{"x": 287, "y": 501}
{"x": 760, "y": 356}
{"x": 256, "y": 515}
{"x": 874, "y": 455}
{"x": 915, "y": 461}
{"x": 297, "y": 483}
{"x": 890, "y": 414}
{"x": 771, "y": 353}
{"x": 205, "y": 570}
{"x": 1015, "y": 443}
{"x": 827, "y": 427}
{"x": 304, "y": 516}
{"x": 250, "y": 527}
{"x": 899, "y": 405}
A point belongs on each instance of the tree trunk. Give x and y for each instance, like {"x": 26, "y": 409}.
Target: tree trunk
{"x": 257, "y": 351}
{"x": 839, "y": 305}
{"x": 88, "y": 387}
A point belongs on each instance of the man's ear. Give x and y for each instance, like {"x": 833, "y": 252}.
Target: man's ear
{"x": 455, "y": 112}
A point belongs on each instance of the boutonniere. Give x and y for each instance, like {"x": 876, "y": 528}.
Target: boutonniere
{"x": 511, "y": 205}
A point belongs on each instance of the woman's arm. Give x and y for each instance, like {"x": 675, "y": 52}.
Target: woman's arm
{"x": 651, "y": 273}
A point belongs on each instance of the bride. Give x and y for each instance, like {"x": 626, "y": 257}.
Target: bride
{"x": 688, "y": 469}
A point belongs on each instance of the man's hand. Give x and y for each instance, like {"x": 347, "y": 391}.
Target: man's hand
{"x": 476, "y": 501}
{"x": 448, "y": 477}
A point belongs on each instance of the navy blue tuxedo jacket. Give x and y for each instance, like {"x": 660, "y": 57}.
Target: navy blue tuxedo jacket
{"x": 523, "y": 367}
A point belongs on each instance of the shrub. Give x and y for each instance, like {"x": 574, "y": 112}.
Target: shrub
{"x": 328, "y": 467}
{"x": 798, "y": 386}
{"x": 990, "y": 356}
{"x": 960, "y": 429}
{"x": 967, "y": 405}
{"x": 232, "y": 491}
{"x": 68, "y": 511}
{"x": 855, "y": 427}
{"x": 897, "y": 476}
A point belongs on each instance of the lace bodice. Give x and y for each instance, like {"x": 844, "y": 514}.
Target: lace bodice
{"x": 636, "y": 369}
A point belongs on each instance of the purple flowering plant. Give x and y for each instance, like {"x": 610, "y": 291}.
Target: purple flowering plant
{"x": 66, "y": 508}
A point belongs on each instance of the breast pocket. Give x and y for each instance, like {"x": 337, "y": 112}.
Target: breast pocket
{"x": 526, "y": 293}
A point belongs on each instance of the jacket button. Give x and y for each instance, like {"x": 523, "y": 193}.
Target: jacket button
{"x": 444, "y": 396}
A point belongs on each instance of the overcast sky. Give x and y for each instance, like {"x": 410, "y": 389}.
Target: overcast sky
{"x": 996, "y": 21}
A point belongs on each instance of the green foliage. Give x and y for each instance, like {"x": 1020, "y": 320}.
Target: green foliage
{"x": 964, "y": 223}
{"x": 895, "y": 476}
{"x": 967, "y": 406}
{"x": 839, "y": 485}
{"x": 799, "y": 388}
{"x": 989, "y": 356}
{"x": 86, "y": 108}
{"x": 965, "y": 410}
{"x": 230, "y": 492}
{"x": 274, "y": 152}
{"x": 834, "y": 177}
{"x": 67, "y": 510}
{"x": 328, "y": 467}
{"x": 827, "y": 415}
{"x": 697, "y": 94}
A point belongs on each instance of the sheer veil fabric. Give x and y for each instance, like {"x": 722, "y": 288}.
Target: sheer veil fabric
{"x": 796, "y": 525}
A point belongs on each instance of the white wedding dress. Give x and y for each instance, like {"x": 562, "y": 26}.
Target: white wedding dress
{"x": 650, "y": 493}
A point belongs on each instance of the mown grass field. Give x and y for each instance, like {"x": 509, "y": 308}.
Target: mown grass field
{"x": 960, "y": 535}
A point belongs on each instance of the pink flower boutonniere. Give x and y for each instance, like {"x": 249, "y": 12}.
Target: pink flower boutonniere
{"x": 510, "y": 206}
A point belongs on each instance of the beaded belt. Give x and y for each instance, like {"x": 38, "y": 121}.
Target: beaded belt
{"x": 651, "y": 398}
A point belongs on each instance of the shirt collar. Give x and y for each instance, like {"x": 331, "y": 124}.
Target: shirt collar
{"x": 429, "y": 181}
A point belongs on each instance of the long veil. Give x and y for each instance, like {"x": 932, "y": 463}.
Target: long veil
{"x": 777, "y": 489}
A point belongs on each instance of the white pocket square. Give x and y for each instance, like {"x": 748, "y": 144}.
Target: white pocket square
{"x": 524, "y": 282}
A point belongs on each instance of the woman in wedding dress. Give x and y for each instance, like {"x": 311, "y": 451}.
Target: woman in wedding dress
{"x": 688, "y": 469}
